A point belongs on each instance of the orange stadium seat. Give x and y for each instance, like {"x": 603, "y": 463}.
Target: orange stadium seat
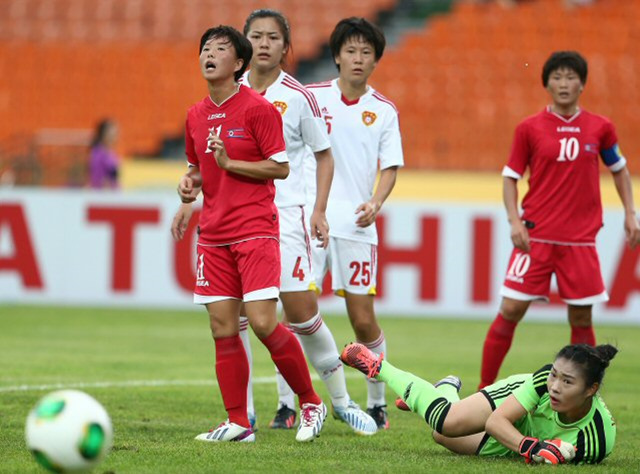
{"x": 478, "y": 69}
{"x": 70, "y": 63}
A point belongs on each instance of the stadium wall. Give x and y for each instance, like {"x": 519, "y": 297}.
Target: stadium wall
{"x": 114, "y": 249}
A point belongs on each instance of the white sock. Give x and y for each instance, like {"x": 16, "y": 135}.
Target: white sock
{"x": 321, "y": 350}
{"x": 286, "y": 397}
{"x": 244, "y": 335}
{"x": 375, "y": 388}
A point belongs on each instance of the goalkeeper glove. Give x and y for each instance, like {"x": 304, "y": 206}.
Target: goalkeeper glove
{"x": 553, "y": 451}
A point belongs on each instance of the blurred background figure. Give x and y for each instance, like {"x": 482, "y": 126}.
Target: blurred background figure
{"x": 104, "y": 162}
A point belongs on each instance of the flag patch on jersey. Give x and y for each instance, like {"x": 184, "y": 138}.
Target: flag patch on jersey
{"x": 368, "y": 118}
{"x": 281, "y": 106}
{"x": 591, "y": 148}
{"x": 235, "y": 133}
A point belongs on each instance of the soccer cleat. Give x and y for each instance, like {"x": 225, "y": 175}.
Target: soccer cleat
{"x": 284, "y": 420}
{"x": 379, "y": 414}
{"x": 401, "y": 405}
{"x": 228, "y": 432}
{"x": 361, "y": 358}
{"x": 359, "y": 421}
{"x": 311, "y": 420}
{"x": 450, "y": 380}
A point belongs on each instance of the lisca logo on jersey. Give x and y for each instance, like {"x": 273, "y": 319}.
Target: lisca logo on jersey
{"x": 217, "y": 116}
{"x": 368, "y": 118}
{"x": 200, "y": 280}
{"x": 281, "y": 106}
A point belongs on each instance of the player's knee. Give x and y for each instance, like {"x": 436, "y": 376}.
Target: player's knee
{"x": 363, "y": 327}
{"x": 580, "y": 315}
{"x": 438, "y": 438}
{"x": 513, "y": 310}
{"x": 262, "y": 327}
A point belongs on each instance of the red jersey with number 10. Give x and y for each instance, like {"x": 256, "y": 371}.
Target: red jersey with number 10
{"x": 235, "y": 207}
{"x": 563, "y": 201}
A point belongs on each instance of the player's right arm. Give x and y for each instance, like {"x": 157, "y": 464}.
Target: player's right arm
{"x": 519, "y": 233}
{"x": 512, "y": 172}
{"x": 500, "y": 423}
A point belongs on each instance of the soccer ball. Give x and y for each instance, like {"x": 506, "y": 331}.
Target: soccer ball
{"x": 68, "y": 431}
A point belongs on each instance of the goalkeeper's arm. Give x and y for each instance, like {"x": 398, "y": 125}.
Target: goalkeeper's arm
{"x": 500, "y": 423}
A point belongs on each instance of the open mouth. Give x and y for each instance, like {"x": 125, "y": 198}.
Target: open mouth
{"x": 209, "y": 66}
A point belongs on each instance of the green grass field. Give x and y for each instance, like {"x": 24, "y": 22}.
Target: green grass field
{"x": 153, "y": 371}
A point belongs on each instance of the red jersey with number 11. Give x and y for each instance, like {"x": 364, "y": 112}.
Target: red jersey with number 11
{"x": 235, "y": 207}
{"x": 563, "y": 201}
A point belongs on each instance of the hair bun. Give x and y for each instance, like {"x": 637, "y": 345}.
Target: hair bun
{"x": 606, "y": 352}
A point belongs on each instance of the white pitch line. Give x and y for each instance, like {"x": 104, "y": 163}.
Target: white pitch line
{"x": 143, "y": 383}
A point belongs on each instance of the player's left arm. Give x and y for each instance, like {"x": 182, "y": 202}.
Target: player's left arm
{"x": 264, "y": 123}
{"x": 391, "y": 158}
{"x": 369, "y": 210}
{"x": 324, "y": 176}
{"x": 622, "y": 181}
{"x": 270, "y": 168}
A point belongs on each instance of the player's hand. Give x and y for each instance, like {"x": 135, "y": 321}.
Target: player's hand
{"x": 520, "y": 236}
{"x": 632, "y": 230}
{"x": 553, "y": 451}
{"x": 189, "y": 187}
{"x": 219, "y": 151}
{"x": 368, "y": 212}
{"x": 320, "y": 228}
{"x": 181, "y": 221}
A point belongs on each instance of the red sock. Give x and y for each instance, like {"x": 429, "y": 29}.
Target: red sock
{"x": 232, "y": 369}
{"x": 287, "y": 354}
{"x": 583, "y": 335}
{"x": 496, "y": 346}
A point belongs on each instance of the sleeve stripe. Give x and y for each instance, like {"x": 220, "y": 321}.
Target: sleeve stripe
{"x": 540, "y": 379}
{"x": 602, "y": 443}
{"x": 296, "y": 86}
{"x": 580, "y": 446}
{"x": 382, "y": 98}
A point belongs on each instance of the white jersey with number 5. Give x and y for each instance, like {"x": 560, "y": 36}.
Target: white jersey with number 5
{"x": 303, "y": 126}
{"x": 364, "y": 135}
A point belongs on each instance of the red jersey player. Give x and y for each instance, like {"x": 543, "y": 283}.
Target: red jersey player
{"x": 234, "y": 142}
{"x": 562, "y": 211}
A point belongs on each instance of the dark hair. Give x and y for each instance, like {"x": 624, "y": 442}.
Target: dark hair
{"x": 285, "y": 29}
{"x": 592, "y": 360}
{"x": 100, "y": 131}
{"x": 565, "y": 60}
{"x": 242, "y": 46}
{"x": 359, "y": 28}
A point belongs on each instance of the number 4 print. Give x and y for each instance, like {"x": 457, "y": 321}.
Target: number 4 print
{"x": 212, "y": 131}
{"x": 569, "y": 149}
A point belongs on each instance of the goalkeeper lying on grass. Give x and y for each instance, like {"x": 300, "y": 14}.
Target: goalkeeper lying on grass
{"x": 554, "y": 415}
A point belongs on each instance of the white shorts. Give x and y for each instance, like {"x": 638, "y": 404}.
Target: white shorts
{"x": 353, "y": 266}
{"x": 295, "y": 251}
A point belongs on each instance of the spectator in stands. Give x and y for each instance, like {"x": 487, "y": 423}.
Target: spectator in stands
{"x": 104, "y": 162}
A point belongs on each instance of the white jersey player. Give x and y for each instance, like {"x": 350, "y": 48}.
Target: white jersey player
{"x": 365, "y": 136}
{"x": 304, "y": 130}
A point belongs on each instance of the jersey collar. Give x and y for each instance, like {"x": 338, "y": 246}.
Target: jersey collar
{"x": 278, "y": 81}
{"x": 563, "y": 118}
{"x": 347, "y": 102}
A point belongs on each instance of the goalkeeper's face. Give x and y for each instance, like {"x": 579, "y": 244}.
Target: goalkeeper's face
{"x": 568, "y": 391}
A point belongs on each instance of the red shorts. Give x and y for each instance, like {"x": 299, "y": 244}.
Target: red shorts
{"x": 248, "y": 271}
{"x": 577, "y": 270}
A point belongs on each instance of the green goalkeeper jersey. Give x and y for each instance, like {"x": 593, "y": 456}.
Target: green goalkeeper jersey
{"x": 594, "y": 435}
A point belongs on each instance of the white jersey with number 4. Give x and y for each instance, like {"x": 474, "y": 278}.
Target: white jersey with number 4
{"x": 303, "y": 126}
{"x": 365, "y": 136}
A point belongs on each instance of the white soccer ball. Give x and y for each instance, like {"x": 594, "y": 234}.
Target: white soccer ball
{"x": 68, "y": 431}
